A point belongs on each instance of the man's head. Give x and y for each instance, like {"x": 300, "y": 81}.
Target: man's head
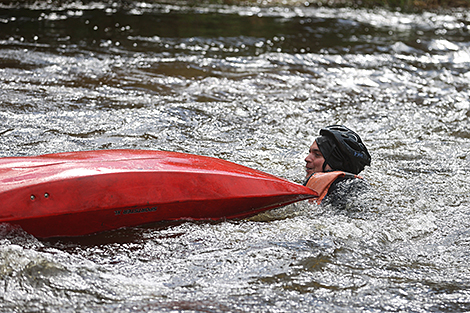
{"x": 315, "y": 161}
{"x": 337, "y": 148}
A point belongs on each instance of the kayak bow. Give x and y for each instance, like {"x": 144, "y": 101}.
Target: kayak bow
{"x": 80, "y": 193}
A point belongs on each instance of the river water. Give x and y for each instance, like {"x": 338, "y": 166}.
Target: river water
{"x": 252, "y": 85}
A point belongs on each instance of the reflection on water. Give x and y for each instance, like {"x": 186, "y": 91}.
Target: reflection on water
{"x": 251, "y": 85}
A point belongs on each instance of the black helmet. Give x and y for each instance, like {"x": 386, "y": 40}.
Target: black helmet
{"x": 343, "y": 149}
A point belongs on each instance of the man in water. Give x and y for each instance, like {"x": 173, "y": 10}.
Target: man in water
{"x": 333, "y": 163}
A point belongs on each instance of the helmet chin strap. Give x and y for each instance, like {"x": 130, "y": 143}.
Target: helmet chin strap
{"x": 325, "y": 164}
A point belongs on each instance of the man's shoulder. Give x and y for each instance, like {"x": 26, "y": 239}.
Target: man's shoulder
{"x": 346, "y": 189}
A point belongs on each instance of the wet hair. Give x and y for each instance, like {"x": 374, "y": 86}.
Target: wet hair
{"x": 343, "y": 149}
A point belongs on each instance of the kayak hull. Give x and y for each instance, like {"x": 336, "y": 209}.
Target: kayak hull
{"x": 80, "y": 193}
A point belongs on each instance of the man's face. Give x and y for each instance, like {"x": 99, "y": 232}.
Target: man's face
{"x": 315, "y": 160}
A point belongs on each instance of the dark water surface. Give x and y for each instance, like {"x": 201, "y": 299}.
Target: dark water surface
{"x": 251, "y": 85}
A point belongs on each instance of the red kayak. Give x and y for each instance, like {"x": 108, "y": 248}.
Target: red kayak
{"x": 80, "y": 193}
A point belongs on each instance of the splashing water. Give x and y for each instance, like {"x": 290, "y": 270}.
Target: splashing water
{"x": 252, "y": 85}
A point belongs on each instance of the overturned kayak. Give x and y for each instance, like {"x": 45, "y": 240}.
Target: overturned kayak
{"x": 80, "y": 193}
